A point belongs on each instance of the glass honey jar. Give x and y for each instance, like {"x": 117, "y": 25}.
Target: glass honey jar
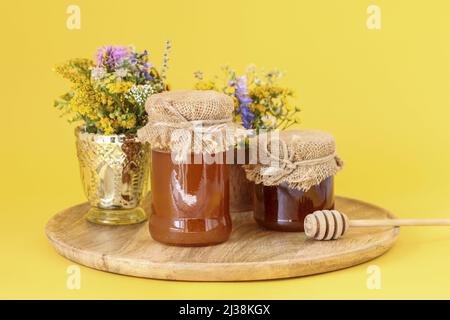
{"x": 189, "y": 133}
{"x": 296, "y": 180}
{"x": 190, "y": 202}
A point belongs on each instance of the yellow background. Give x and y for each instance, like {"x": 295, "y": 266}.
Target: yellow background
{"x": 384, "y": 94}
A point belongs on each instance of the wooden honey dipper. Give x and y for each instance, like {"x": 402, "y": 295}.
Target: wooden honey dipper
{"x": 332, "y": 224}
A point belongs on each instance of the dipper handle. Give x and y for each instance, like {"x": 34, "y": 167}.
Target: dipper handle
{"x": 332, "y": 224}
{"x": 400, "y": 222}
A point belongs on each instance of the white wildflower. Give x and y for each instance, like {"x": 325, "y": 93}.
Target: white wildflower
{"x": 98, "y": 73}
{"x": 121, "y": 73}
{"x": 269, "y": 121}
{"x": 139, "y": 93}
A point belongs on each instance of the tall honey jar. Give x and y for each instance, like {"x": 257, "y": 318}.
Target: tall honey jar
{"x": 190, "y": 133}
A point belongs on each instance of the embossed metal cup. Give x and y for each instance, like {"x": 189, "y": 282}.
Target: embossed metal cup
{"x": 114, "y": 172}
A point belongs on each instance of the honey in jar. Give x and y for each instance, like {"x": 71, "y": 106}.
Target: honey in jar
{"x": 190, "y": 193}
{"x": 301, "y": 182}
{"x": 284, "y": 209}
{"x": 190, "y": 202}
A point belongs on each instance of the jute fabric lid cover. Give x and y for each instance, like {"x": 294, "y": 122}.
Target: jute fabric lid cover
{"x": 205, "y": 117}
{"x": 305, "y": 158}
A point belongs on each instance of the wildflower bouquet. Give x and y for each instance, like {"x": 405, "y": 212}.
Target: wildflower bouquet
{"x": 260, "y": 102}
{"x": 108, "y": 94}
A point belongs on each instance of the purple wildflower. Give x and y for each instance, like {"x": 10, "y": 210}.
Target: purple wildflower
{"x": 111, "y": 56}
{"x": 241, "y": 93}
{"x": 140, "y": 63}
{"x": 148, "y": 65}
{"x": 147, "y": 75}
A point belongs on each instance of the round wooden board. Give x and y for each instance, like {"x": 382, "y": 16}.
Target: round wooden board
{"x": 251, "y": 253}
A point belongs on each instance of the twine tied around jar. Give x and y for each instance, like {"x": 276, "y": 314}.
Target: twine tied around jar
{"x": 188, "y": 121}
{"x": 302, "y": 159}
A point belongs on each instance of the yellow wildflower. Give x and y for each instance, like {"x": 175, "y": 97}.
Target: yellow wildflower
{"x": 205, "y": 85}
{"x": 128, "y": 122}
{"x": 75, "y": 70}
{"x": 269, "y": 103}
{"x": 119, "y": 86}
{"x": 105, "y": 125}
{"x": 260, "y": 107}
{"x": 237, "y": 118}
{"x": 230, "y": 90}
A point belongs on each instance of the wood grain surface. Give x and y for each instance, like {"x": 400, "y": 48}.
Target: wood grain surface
{"x": 252, "y": 253}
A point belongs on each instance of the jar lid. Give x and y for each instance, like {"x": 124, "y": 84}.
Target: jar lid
{"x": 300, "y": 158}
{"x": 189, "y": 105}
{"x": 197, "y": 121}
{"x": 307, "y": 144}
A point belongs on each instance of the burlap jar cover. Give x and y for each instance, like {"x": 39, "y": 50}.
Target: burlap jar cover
{"x": 195, "y": 121}
{"x": 299, "y": 158}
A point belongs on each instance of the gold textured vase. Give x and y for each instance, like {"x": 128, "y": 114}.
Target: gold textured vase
{"x": 114, "y": 172}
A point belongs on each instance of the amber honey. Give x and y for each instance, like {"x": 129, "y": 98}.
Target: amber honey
{"x": 284, "y": 209}
{"x": 190, "y": 201}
